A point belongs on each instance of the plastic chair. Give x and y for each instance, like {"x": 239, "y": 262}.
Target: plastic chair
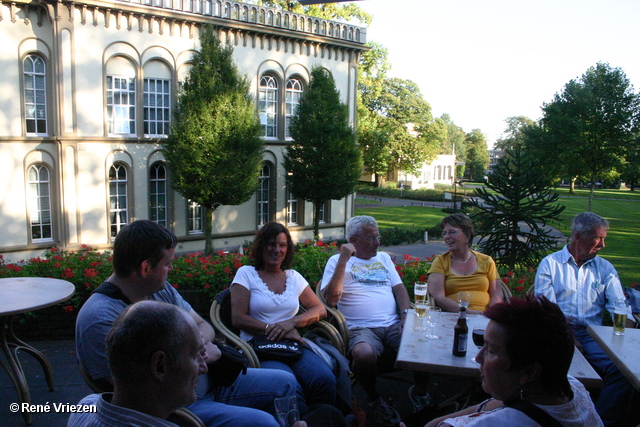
{"x": 220, "y": 314}
{"x": 182, "y": 416}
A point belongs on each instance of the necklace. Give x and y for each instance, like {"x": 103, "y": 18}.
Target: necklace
{"x": 465, "y": 261}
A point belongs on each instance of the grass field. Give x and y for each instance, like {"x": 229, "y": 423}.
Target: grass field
{"x": 620, "y": 207}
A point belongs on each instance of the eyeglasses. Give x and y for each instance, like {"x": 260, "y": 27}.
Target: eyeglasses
{"x": 370, "y": 238}
{"x": 451, "y": 233}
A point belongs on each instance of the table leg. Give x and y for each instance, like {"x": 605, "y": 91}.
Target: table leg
{"x": 14, "y": 370}
{"x": 11, "y": 345}
{"x": 18, "y": 345}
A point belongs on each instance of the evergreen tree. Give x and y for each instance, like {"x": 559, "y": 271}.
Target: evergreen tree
{"x": 214, "y": 151}
{"x": 512, "y": 214}
{"x": 323, "y": 161}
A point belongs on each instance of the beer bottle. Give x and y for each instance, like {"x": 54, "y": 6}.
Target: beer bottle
{"x": 461, "y": 334}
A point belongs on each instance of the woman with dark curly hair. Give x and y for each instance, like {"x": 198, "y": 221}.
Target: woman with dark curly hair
{"x": 265, "y": 299}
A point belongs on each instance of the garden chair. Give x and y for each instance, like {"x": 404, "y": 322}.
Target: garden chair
{"x": 506, "y": 292}
{"x": 183, "y": 417}
{"x": 220, "y": 314}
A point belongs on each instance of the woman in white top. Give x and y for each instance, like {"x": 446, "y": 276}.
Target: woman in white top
{"x": 525, "y": 359}
{"x": 265, "y": 299}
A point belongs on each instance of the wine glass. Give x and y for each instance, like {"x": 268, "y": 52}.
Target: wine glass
{"x": 478, "y": 339}
{"x": 432, "y": 320}
{"x": 464, "y": 299}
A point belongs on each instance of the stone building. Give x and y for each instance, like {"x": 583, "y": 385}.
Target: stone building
{"x": 88, "y": 88}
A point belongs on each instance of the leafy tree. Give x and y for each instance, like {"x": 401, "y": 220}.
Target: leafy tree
{"x": 455, "y": 143}
{"x": 514, "y": 132}
{"x": 630, "y": 170}
{"x": 414, "y": 138}
{"x": 323, "y": 161}
{"x": 342, "y": 12}
{"x": 477, "y": 155}
{"x": 215, "y": 133}
{"x": 591, "y": 123}
{"x": 373, "y": 130}
{"x": 512, "y": 213}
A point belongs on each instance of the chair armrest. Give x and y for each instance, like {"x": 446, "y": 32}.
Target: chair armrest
{"x": 230, "y": 336}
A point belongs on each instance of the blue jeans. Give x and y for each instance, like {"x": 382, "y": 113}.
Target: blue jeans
{"x": 314, "y": 376}
{"x": 250, "y": 397}
{"x": 615, "y": 397}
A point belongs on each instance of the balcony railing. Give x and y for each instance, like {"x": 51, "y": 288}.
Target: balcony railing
{"x": 268, "y": 17}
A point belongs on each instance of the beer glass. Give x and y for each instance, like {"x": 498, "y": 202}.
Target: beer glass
{"x": 620, "y": 310}
{"x": 420, "y": 298}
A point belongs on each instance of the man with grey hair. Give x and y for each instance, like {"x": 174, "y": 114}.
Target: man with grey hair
{"x": 584, "y": 285}
{"x": 365, "y": 286}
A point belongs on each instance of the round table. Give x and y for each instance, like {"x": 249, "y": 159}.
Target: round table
{"x": 20, "y": 295}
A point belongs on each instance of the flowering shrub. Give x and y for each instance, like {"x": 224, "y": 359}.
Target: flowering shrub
{"x": 209, "y": 274}
{"x": 519, "y": 282}
{"x": 86, "y": 269}
{"x": 413, "y": 270}
{"x": 311, "y": 257}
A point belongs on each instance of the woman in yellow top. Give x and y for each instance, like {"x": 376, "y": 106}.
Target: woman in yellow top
{"x": 461, "y": 269}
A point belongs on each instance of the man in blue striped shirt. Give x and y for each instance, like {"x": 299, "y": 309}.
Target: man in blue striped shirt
{"x": 584, "y": 285}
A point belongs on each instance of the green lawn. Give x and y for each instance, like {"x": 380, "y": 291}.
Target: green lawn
{"x": 623, "y": 239}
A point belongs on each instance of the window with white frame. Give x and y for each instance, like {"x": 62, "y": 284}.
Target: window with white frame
{"x": 195, "y": 219}
{"x": 118, "y": 198}
{"x": 268, "y": 104}
{"x": 263, "y": 195}
{"x": 121, "y": 108}
{"x": 292, "y": 208}
{"x": 35, "y": 95}
{"x": 157, "y": 106}
{"x": 40, "y": 203}
{"x": 323, "y": 213}
{"x": 158, "y": 194}
{"x": 292, "y": 95}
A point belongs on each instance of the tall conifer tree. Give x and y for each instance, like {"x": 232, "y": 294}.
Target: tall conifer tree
{"x": 214, "y": 151}
{"x": 513, "y": 213}
{"x": 323, "y": 161}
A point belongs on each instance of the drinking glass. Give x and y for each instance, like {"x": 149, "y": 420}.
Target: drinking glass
{"x": 420, "y": 297}
{"x": 478, "y": 339}
{"x": 433, "y": 315}
{"x": 286, "y": 411}
{"x": 620, "y": 310}
{"x": 464, "y": 298}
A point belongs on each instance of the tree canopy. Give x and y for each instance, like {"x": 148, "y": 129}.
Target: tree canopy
{"x": 333, "y": 11}
{"x": 215, "y": 133}
{"x": 477, "y": 155}
{"x": 323, "y": 161}
{"x": 590, "y": 125}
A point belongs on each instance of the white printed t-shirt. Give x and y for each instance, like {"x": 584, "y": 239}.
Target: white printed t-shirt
{"x": 367, "y": 298}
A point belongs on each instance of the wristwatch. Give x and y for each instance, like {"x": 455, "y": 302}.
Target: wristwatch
{"x": 405, "y": 311}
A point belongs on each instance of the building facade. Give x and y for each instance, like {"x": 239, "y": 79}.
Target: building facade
{"x": 88, "y": 92}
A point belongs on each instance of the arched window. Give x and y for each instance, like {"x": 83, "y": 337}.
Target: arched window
{"x": 35, "y": 95}
{"x": 292, "y": 96}
{"x": 264, "y": 193}
{"x": 158, "y": 194}
{"x": 269, "y": 106}
{"x": 40, "y": 203}
{"x": 118, "y": 198}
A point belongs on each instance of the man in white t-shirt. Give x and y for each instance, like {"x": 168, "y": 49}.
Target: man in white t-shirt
{"x": 365, "y": 286}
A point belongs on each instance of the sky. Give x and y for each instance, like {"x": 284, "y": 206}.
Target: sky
{"x": 482, "y": 61}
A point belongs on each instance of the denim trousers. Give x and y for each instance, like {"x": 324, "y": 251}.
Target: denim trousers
{"x": 314, "y": 376}
{"x": 248, "y": 401}
{"x": 615, "y": 397}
